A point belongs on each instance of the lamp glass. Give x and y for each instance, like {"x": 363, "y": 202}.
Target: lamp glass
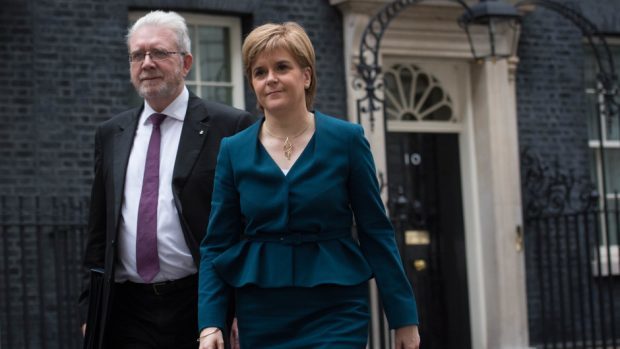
{"x": 493, "y": 38}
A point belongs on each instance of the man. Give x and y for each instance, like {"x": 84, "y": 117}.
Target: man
{"x": 151, "y": 195}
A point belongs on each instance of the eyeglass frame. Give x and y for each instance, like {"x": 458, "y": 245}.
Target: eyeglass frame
{"x": 165, "y": 54}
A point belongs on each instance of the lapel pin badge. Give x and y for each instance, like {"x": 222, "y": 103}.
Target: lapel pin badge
{"x": 201, "y": 132}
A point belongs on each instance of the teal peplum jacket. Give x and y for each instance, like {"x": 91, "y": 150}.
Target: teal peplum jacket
{"x": 272, "y": 230}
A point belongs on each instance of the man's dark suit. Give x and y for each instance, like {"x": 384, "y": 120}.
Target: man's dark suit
{"x": 205, "y": 125}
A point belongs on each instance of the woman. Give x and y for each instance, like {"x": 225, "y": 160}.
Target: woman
{"x": 285, "y": 194}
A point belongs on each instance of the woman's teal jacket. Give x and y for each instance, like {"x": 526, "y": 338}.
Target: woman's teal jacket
{"x": 274, "y": 230}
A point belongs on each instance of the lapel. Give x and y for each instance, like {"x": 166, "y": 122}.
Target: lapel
{"x": 193, "y": 135}
{"x": 122, "y": 143}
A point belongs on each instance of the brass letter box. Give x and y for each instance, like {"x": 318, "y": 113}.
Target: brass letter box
{"x": 417, "y": 237}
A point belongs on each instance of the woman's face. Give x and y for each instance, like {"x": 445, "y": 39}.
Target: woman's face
{"x": 279, "y": 81}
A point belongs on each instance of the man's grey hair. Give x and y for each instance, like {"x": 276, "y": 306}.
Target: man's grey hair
{"x": 170, "y": 20}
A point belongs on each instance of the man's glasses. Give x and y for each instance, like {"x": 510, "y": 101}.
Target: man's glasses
{"x": 156, "y": 55}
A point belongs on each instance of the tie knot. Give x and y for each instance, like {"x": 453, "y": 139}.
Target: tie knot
{"x": 157, "y": 119}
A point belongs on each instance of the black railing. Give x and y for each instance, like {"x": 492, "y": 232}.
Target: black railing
{"x": 41, "y": 247}
{"x": 569, "y": 263}
{"x": 573, "y": 267}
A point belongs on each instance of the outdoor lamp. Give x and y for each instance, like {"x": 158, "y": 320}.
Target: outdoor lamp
{"x": 492, "y": 29}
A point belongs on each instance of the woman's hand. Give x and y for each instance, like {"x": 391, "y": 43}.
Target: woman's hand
{"x": 211, "y": 338}
{"x": 234, "y": 336}
{"x": 407, "y": 337}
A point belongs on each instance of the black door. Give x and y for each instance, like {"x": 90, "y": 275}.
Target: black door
{"x": 426, "y": 207}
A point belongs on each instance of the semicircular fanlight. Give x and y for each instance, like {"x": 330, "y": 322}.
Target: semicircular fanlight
{"x": 414, "y": 95}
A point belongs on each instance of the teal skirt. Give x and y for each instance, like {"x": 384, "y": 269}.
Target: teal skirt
{"x": 325, "y": 316}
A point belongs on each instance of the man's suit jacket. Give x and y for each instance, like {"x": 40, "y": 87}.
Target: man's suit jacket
{"x": 205, "y": 125}
{"x": 297, "y": 228}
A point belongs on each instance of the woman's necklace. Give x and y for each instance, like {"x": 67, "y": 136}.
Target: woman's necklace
{"x": 287, "y": 147}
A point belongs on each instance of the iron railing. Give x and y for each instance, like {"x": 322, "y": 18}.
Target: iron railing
{"x": 573, "y": 269}
{"x": 41, "y": 247}
{"x": 569, "y": 262}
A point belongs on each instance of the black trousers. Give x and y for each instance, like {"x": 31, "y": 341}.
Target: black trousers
{"x": 154, "y": 316}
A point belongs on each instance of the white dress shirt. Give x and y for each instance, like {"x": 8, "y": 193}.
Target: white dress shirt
{"x": 175, "y": 259}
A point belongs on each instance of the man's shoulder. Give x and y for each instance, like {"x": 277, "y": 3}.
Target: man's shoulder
{"x": 228, "y": 120}
{"x": 217, "y": 110}
{"x": 122, "y": 119}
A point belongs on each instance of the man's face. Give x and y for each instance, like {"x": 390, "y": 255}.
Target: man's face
{"x": 158, "y": 80}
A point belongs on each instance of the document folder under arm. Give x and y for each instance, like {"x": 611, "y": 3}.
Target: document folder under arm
{"x": 93, "y": 318}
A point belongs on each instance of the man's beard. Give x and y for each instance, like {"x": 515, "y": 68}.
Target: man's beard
{"x": 164, "y": 88}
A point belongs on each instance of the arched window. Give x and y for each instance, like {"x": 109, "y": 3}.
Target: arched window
{"x": 414, "y": 95}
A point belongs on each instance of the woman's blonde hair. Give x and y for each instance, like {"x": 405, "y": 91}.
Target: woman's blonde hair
{"x": 289, "y": 36}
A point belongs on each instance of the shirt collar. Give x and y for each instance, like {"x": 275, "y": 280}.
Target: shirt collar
{"x": 175, "y": 110}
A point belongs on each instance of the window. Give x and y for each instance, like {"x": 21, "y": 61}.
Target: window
{"x": 216, "y": 73}
{"x": 605, "y": 132}
{"x": 416, "y": 100}
{"x": 414, "y": 95}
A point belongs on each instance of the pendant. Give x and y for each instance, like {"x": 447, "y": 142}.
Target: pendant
{"x": 287, "y": 148}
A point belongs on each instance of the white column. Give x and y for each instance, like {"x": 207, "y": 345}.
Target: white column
{"x": 497, "y": 162}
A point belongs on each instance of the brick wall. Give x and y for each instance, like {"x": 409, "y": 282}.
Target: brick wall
{"x": 16, "y": 94}
{"x": 550, "y": 90}
{"x": 65, "y": 79}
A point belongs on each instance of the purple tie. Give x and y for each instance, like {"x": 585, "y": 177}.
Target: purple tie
{"x": 147, "y": 259}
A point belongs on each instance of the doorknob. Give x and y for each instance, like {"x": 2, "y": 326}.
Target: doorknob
{"x": 519, "y": 239}
{"x": 419, "y": 264}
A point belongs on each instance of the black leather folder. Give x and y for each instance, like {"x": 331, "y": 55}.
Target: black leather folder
{"x": 94, "y": 323}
